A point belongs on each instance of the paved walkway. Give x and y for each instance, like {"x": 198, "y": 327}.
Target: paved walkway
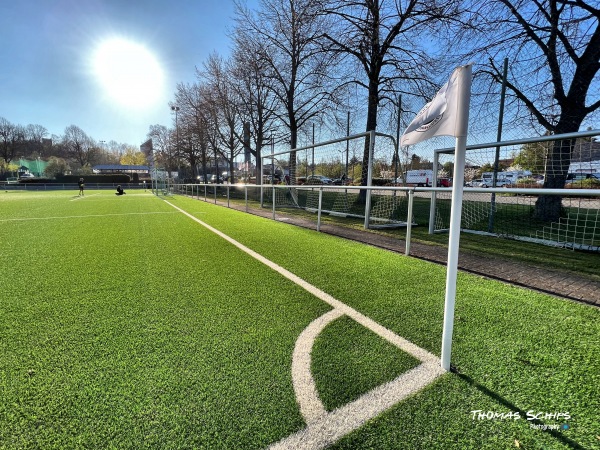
{"x": 549, "y": 281}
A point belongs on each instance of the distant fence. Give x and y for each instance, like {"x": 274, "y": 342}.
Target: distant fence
{"x": 66, "y": 186}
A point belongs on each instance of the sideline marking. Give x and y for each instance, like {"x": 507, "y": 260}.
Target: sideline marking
{"x": 84, "y": 216}
{"x": 324, "y": 428}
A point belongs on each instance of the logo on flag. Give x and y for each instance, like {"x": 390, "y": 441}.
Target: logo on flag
{"x": 447, "y": 114}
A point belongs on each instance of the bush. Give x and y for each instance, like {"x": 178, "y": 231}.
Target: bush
{"x": 36, "y": 181}
{"x": 590, "y": 183}
{"x": 529, "y": 183}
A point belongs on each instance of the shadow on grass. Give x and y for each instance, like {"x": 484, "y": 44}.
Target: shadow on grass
{"x": 512, "y": 407}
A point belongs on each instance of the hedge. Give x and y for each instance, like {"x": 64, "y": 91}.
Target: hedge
{"x": 109, "y": 178}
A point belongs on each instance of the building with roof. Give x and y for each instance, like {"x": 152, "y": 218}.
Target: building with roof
{"x": 129, "y": 169}
{"x": 134, "y": 171}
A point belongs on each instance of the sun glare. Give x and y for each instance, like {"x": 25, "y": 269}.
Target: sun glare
{"x": 128, "y": 72}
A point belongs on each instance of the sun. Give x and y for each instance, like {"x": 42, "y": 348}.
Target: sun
{"x": 128, "y": 72}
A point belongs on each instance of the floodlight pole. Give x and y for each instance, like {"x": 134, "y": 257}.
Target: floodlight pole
{"x": 176, "y": 109}
{"x": 397, "y": 148}
{"x": 498, "y": 139}
{"x": 347, "y": 144}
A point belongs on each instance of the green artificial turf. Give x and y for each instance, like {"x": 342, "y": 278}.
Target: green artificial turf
{"x": 515, "y": 350}
{"x": 349, "y": 360}
{"x": 131, "y": 330}
{"x": 126, "y": 324}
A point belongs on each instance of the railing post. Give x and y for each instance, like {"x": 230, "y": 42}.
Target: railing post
{"x": 246, "y": 195}
{"x": 409, "y": 220}
{"x": 228, "y": 196}
{"x": 319, "y": 209}
{"x": 433, "y": 203}
{"x": 273, "y": 202}
{"x": 369, "y": 179}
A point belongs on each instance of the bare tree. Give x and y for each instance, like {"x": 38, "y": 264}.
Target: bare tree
{"x": 79, "y": 146}
{"x": 289, "y": 32}
{"x": 554, "y": 52}
{"x": 195, "y": 107}
{"x": 35, "y": 138}
{"x": 164, "y": 152}
{"x": 381, "y": 37}
{"x": 12, "y": 139}
{"x": 225, "y": 103}
{"x": 257, "y": 103}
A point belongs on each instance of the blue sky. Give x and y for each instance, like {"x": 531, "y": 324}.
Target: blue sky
{"x": 47, "y": 75}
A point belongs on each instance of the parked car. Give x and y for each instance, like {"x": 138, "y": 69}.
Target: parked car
{"x": 26, "y": 175}
{"x": 12, "y": 180}
{"x": 272, "y": 179}
{"x": 318, "y": 179}
{"x": 500, "y": 182}
{"x": 474, "y": 183}
{"x": 215, "y": 180}
{"x": 342, "y": 181}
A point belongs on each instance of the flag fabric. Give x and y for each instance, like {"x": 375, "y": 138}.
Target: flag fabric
{"x": 447, "y": 114}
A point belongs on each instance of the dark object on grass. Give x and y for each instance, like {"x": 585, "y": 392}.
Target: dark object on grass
{"x": 120, "y": 190}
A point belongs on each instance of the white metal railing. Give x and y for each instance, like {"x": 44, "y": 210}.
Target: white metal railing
{"x": 209, "y": 192}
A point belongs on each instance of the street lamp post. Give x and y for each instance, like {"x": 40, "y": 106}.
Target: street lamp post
{"x": 176, "y": 109}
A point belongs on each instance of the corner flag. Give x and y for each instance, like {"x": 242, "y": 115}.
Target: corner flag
{"x": 444, "y": 115}
{"x": 448, "y": 115}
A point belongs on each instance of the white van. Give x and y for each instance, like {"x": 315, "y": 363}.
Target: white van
{"x": 417, "y": 177}
{"x": 504, "y": 178}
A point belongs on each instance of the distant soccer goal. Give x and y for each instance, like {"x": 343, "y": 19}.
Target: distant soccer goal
{"x": 525, "y": 165}
{"x": 328, "y": 176}
{"x": 162, "y": 184}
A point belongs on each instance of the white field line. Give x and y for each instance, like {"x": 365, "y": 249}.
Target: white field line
{"x": 311, "y": 407}
{"x": 85, "y": 216}
{"x": 83, "y": 196}
{"x": 324, "y": 428}
{"x": 331, "y": 427}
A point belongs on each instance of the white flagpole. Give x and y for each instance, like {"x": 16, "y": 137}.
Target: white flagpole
{"x": 455, "y": 215}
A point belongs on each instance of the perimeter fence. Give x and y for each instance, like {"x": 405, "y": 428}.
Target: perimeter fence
{"x": 514, "y": 209}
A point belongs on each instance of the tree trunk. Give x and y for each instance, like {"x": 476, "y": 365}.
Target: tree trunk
{"x": 293, "y": 145}
{"x": 203, "y": 159}
{"x": 371, "y": 125}
{"x": 548, "y": 208}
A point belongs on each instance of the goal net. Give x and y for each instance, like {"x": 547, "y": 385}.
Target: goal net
{"x": 528, "y": 164}
{"x": 332, "y": 175}
{"x": 162, "y": 184}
